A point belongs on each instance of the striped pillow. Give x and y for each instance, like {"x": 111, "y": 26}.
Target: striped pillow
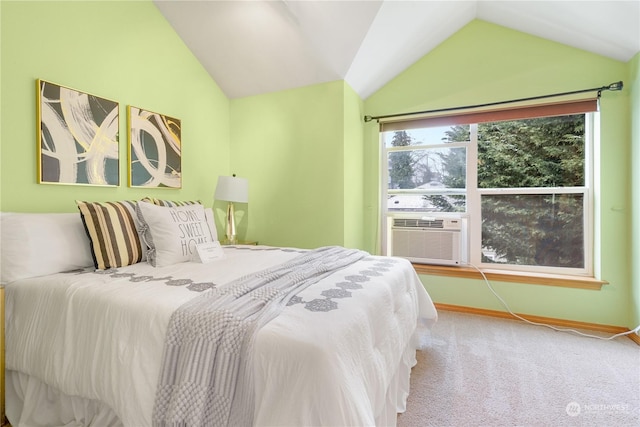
{"x": 112, "y": 231}
{"x": 171, "y": 203}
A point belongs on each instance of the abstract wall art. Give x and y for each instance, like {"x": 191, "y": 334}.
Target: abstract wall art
{"x": 155, "y": 149}
{"x": 77, "y": 137}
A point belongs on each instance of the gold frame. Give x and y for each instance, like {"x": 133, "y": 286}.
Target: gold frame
{"x": 77, "y": 136}
{"x": 149, "y": 132}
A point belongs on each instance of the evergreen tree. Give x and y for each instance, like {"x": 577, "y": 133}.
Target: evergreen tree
{"x": 542, "y": 152}
{"x": 453, "y": 171}
{"x": 401, "y": 163}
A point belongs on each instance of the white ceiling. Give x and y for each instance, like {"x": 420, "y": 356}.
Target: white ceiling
{"x": 255, "y": 47}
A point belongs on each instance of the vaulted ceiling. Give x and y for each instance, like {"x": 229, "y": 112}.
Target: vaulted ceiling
{"x": 255, "y": 47}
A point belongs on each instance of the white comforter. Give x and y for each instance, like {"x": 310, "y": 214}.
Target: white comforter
{"x": 340, "y": 354}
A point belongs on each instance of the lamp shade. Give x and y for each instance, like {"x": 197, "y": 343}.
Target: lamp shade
{"x": 232, "y": 189}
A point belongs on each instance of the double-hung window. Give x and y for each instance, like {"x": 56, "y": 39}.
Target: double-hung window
{"x": 521, "y": 179}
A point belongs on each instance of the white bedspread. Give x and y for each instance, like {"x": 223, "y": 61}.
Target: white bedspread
{"x": 339, "y": 354}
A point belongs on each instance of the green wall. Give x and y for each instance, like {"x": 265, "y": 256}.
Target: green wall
{"x": 123, "y": 51}
{"x": 634, "y": 90}
{"x": 484, "y": 63}
{"x": 301, "y": 151}
{"x": 353, "y": 169}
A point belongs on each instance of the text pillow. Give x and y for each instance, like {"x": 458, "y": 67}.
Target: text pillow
{"x": 171, "y": 233}
{"x": 174, "y": 203}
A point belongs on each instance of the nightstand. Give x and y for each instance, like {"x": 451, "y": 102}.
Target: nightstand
{"x": 239, "y": 242}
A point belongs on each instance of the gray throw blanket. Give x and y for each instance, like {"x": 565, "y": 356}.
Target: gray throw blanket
{"x": 206, "y": 377}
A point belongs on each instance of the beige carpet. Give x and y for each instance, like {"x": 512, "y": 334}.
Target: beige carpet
{"x": 483, "y": 371}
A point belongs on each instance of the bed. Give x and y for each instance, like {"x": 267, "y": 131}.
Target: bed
{"x": 328, "y": 336}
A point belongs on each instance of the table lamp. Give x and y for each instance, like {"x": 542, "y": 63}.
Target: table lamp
{"x": 233, "y": 190}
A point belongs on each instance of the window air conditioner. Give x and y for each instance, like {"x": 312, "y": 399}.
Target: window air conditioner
{"x": 428, "y": 240}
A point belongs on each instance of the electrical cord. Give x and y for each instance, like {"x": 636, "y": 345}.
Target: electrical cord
{"x": 506, "y": 306}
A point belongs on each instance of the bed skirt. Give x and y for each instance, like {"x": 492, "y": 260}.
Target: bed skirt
{"x": 32, "y": 403}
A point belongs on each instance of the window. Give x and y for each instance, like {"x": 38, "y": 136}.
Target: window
{"x": 521, "y": 178}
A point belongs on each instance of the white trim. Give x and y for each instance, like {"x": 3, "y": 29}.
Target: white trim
{"x": 473, "y": 198}
{"x": 427, "y": 146}
{"x": 382, "y": 209}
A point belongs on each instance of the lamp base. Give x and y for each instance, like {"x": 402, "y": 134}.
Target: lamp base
{"x": 231, "y": 224}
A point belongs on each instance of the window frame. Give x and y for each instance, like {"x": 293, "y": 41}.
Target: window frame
{"x": 472, "y": 216}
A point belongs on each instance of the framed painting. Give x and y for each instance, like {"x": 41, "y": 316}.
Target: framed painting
{"x": 155, "y": 149}
{"x": 77, "y": 137}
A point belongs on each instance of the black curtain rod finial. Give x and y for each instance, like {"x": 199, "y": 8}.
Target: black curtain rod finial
{"x": 367, "y": 118}
{"x": 616, "y": 86}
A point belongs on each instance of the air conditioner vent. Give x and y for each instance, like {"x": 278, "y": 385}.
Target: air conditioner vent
{"x": 428, "y": 240}
{"x": 418, "y": 223}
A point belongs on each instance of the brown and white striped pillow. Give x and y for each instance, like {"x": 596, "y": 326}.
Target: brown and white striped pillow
{"x": 172, "y": 203}
{"x": 112, "y": 228}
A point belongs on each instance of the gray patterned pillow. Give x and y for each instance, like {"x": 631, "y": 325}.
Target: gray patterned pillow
{"x": 171, "y": 233}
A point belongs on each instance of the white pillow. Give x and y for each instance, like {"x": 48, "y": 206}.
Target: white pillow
{"x": 171, "y": 233}
{"x": 37, "y": 244}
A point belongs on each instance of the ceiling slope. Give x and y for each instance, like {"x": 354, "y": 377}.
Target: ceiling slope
{"x": 255, "y": 47}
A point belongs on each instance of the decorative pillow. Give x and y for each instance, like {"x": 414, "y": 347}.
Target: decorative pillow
{"x": 171, "y": 233}
{"x": 173, "y": 203}
{"x": 113, "y": 232}
{"x": 37, "y": 244}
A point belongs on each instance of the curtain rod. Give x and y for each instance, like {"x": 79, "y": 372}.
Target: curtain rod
{"x": 612, "y": 86}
